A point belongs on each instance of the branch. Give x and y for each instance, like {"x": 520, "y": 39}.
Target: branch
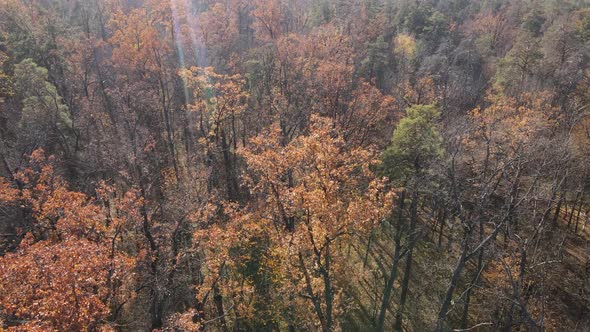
{"x": 218, "y": 317}
{"x": 473, "y": 327}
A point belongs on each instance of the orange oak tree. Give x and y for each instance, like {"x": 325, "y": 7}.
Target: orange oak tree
{"x": 310, "y": 199}
{"x": 68, "y": 269}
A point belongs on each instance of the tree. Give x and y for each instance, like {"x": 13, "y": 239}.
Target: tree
{"x": 415, "y": 144}
{"x": 43, "y": 112}
{"x": 219, "y": 27}
{"x": 238, "y": 149}
{"x": 313, "y": 197}
{"x": 493, "y": 31}
{"x": 220, "y": 103}
{"x": 68, "y": 267}
{"x": 496, "y": 149}
{"x": 519, "y": 64}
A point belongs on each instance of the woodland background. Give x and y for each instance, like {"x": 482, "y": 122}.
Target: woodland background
{"x": 294, "y": 165}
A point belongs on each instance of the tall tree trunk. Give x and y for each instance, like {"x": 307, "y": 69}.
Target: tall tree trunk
{"x": 408, "y": 269}
{"x": 442, "y": 225}
{"x": 569, "y": 220}
{"x": 328, "y": 289}
{"x": 231, "y": 181}
{"x": 442, "y": 314}
{"x": 558, "y": 208}
{"x": 394, "y": 265}
{"x": 578, "y": 215}
{"x": 218, "y": 299}
{"x": 314, "y": 299}
{"x": 474, "y": 281}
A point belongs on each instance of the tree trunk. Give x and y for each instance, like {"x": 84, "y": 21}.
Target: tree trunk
{"x": 442, "y": 314}
{"x": 218, "y": 299}
{"x": 578, "y": 214}
{"x": 569, "y": 221}
{"x": 408, "y": 268}
{"x": 442, "y": 225}
{"x": 474, "y": 281}
{"x": 394, "y": 265}
{"x": 231, "y": 181}
{"x": 558, "y": 209}
{"x": 329, "y": 296}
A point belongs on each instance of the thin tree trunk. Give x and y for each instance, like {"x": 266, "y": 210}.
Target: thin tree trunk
{"x": 394, "y": 265}
{"x": 442, "y": 314}
{"x": 314, "y": 299}
{"x": 408, "y": 268}
{"x": 558, "y": 208}
{"x": 569, "y": 221}
{"x": 231, "y": 181}
{"x": 578, "y": 215}
{"x": 442, "y": 225}
{"x": 218, "y": 299}
{"x": 329, "y": 296}
{"x": 474, "y": 281}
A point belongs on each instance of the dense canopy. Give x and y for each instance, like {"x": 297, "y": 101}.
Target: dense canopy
{"x": 294, "y": 165}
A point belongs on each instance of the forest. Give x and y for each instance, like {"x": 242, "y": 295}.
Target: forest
{"x": 294, "y": 165}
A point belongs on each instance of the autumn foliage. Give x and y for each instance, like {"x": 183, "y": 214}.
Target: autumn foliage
{"x": 66, "y": 269}
{"x": 294, "y": 165}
